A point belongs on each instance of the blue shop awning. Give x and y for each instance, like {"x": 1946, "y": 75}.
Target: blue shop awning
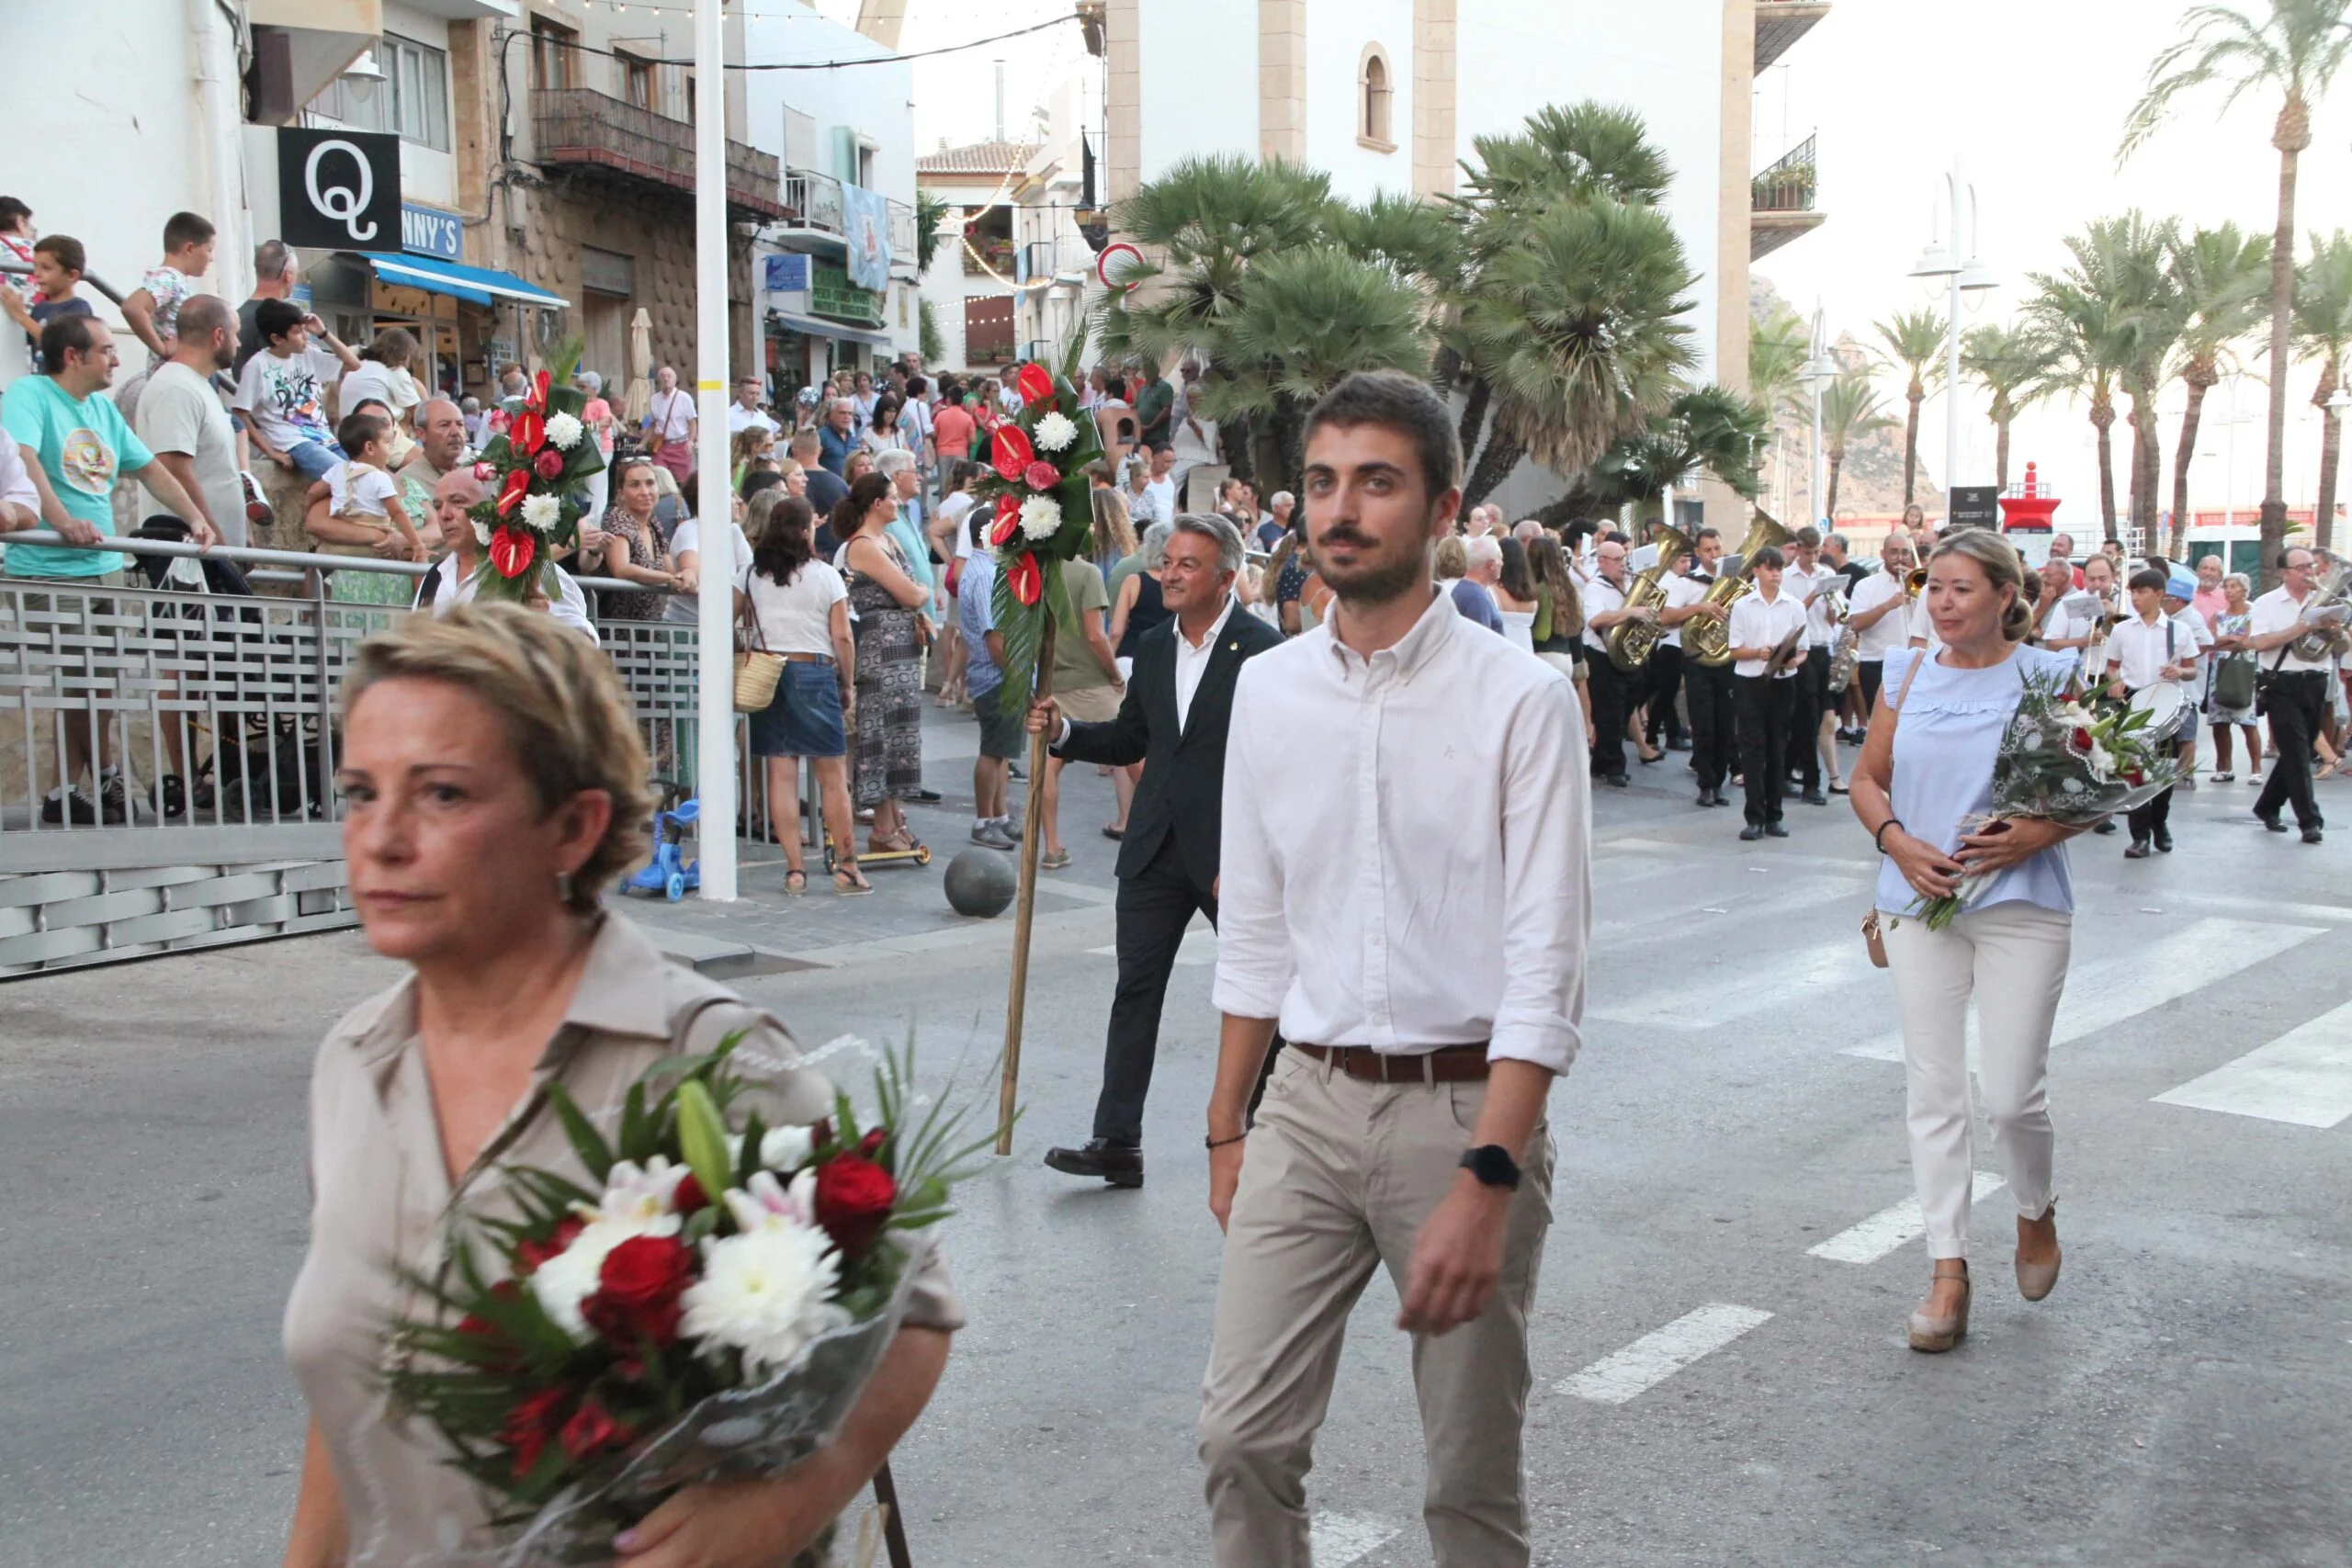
{"x": 817, "y": 326}
{"x": 479, "y": 285}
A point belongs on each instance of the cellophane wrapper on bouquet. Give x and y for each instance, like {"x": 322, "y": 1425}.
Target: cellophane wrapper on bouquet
{"x": 2066, "y": 763}
{"x": 710, "y": 1306}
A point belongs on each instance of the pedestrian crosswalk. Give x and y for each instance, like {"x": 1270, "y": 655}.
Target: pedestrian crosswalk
{"x": 1334, "y": 1540}
{"x": 1890, "y": 1230}
{"x": 1659, "y": 1355}
{"x": 2304, "y": 1077}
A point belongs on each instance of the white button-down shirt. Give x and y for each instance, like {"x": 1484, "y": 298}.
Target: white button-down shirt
{"x": 1406, "y": 854}
{"x": 1816, "y": 586}
{"x": 1601, "y": 597}
{"x": 1884, "y": 636}
{"x": 1759, "y": 622}
{"x": 2275, "y": 612}
{"x": 1193, "y": 663}
{"x": 2137, "y": 650}
{"x": 1680, "y": 593}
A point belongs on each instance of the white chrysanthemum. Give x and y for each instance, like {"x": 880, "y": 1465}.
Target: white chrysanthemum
{"x": 564, "y": 431}
{"x": 1054, "y": 432}
{"x": 645, "y": 1194}
{"x": 569, "y": 1278}
{"x": 786, "y": 1148}
{"x": 542, "y": 513}
{"x": 765, "y": 1293}
{"x": 1041, "y": 516}
{"x": 482, "y": 533}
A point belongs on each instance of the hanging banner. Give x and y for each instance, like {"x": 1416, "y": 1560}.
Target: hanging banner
{"x": 866, "y": 223}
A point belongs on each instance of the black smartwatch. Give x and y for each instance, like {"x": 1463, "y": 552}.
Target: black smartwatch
{"x": 1492, "y": 1164}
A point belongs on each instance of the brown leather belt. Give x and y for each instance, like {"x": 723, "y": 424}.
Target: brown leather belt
{"x": 1447, "y": 1064}
{"x": 806, "y": 658}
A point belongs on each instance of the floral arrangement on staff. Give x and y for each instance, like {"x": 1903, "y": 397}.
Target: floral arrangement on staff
{"x": 712, "y": 1309}
{"x": 1037, "y": 482}
{"x": 536, "y": 472}
{"x": 2065, "y": 764}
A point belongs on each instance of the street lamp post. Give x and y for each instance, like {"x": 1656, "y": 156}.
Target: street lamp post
{"x": 714, "y": 690}
{"x": 1970, "y": 277}
{"x": 1820, "y": 370}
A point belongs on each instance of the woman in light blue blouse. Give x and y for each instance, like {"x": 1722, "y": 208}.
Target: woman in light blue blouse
{"x": 1926, "y": 772}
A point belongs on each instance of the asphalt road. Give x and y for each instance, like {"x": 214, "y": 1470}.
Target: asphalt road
{"x": 1709, "y": 1388}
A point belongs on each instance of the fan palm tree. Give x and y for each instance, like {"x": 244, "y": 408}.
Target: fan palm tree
{"x": 2324, "y": 329}
{"x": 2221, "y": 278}
{"x": 2087, "y": 316}
{"x": 1849, "y": 410}
{"x": 1776, "y": 351}
{"x": 1578, "y": 325}
{"x": 2129, "y": 257}
{"x": 1308, "y": 318}
{"x": 1915, "y": 340}
{"x": 2293, "y": 48}
{"x": 2012, "y": 363}
{"x": 1708, "y": 430}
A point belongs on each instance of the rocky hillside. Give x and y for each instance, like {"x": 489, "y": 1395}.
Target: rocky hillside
{"x": 1872, "y": 481}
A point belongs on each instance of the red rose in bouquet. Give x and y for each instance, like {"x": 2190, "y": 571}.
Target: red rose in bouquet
{"x": 638, "y": 1291}
{"x": 853, "y": 1200}
{"x": 548, "y": 464}
{"x": 531, "y": 1254}
{"x": 1042, "y": 476}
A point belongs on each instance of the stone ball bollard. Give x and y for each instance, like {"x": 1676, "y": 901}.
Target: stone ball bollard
{"x": 981, "y": 882}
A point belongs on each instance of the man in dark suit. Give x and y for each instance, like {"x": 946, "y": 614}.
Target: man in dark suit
{"x": 1180, "y": 696}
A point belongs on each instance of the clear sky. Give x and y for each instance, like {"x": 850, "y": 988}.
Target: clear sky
{"x": 2031, "y": 95}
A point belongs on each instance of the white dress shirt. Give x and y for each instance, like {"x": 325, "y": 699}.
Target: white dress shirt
{"x": 1890, "y": 631}
{"x": 1681, "y": 592}
{"x": 567, "y": 604}
{"x": 1192, "y": 662}
{"x": 1816, "y": 586}
{"x": 741, "y": 419}
{"x": 1406, "y": 858}
{"x": 2137, "y": 650}
{"x": 1759, "y": 622}
{"x": 2275, "y": 612}
{"x": 1601, "y": 597}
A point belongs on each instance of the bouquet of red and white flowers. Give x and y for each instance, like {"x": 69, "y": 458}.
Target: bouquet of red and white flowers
{"x": 537, "y": 468}
{"x": 1043, "y": 516}
{"x": 712, "y": 1308}
{"x": 2066, "y": 763}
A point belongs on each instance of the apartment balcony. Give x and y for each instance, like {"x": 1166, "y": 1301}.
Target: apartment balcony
{"x": 1778, "y": 24}
{"x": 579, "y": 127}
{"x": 1781, "y": 201}
{"x": 815, "y": 208}
{"x": 1066, "y": 261}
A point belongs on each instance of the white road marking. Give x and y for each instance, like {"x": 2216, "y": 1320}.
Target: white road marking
{"x": 1712, "y": 995}
{"x": 1891, "y": 1229}
{"x": 2126, "y": 984}
{"x": 1659, "y": 1355}
{"x": 1199, "y": 946}
{"x": 1334, "y": 1540}
{"x": 2303, "y": 1076}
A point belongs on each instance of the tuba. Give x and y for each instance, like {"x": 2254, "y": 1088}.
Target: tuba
{"x": 2326, "y": 640}
{"x": 1707, "y": 640}
{"x": 1630, "y": 643}
{"x": 1845, "y": 653}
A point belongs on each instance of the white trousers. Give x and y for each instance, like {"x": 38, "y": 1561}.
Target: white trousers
{"x": 2012, "y": 958}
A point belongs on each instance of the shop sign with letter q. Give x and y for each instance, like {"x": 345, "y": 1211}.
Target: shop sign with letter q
{"x": 339, "y": 190}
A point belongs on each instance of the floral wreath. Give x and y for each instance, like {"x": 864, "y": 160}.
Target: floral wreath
{"x": 536, "y": 471}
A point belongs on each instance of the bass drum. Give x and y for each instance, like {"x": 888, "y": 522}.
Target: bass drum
{"x": 2165, "y": 704}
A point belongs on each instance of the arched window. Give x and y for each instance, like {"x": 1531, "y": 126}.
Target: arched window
{"x": 1373, "y": 94}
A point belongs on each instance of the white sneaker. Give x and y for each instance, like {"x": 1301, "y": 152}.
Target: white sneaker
{"x": 990, "y": 836}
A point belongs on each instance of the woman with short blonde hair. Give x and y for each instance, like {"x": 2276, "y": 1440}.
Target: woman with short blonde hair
{"x": 1923, "y": 783}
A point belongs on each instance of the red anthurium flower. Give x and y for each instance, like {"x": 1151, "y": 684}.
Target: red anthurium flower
{"x": 1034, "y": 382}
{"x": 529, "y": 433}
{"x": 510, "y": 492}
{"x": 1028, "y": 584}
{"x": 1042, "y": 476}
{"x": 512, "y": 549}
{"x": 1010, "y": 453}
{"x": 548, "y": 464}
{"x": 539, "y": 390}
{"x": 1007, "y": 524}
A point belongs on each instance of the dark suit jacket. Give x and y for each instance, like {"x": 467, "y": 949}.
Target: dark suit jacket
{"x": 1182, "y": 792}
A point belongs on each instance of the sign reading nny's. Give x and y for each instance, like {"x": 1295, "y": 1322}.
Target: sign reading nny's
{"x": 339, "y": 190}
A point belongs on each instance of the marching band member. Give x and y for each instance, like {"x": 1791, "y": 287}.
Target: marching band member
{"x": 1881, "y": 606}
{"x": 1760, "y": 624}
{"x": 2147, "y": 650}
{"x": 1613, "y": 690}
{"x": 1706, "y": 688}
{"x": 1668, "y": 670}
{"x": 1810, "y": 582}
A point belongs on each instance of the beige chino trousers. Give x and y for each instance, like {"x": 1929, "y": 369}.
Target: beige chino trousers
{"x": 1338, "y": 1176}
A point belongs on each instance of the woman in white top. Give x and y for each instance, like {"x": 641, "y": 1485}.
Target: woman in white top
{"x": 1925, "y": 777}
{"x": 883, "y": 433}
{"x": 801, "y": 609}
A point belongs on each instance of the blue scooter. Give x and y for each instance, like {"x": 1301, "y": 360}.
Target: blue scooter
{"x": 668, "y": 873}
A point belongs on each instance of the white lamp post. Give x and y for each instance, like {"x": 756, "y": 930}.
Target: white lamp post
{"x": 1973, "y": 277}
{"x": 715, "y": 689}
{"x": 1820, "y": 370}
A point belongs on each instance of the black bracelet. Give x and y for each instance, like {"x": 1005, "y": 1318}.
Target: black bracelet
{"x": 1220, "y": 1143}
{"x": 1878, "y": 840}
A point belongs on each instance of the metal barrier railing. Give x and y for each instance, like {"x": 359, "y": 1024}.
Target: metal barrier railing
{"x": 231, "y": 695}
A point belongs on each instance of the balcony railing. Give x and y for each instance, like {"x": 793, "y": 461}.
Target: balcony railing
{"x": 1789, "y": 186}
{"x": 1063, "y": 256}
{"x": 580, "y": 126}
{"x": 814, "y": 201}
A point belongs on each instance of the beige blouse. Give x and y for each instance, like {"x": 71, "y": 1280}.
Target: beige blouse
{"x": 382, "y": 1200}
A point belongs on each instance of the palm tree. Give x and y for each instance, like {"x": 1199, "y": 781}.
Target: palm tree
{"x": 2085, "y": 315}
{"x": 1849, "y": 410}
{"x": 1915, "y": 340}
{"x": 1707, "y": 430}
{"x": 2221, "y": 276}
{"x": 1308, "y": 317}
{"x": 2013, "y": 363}
{"x": 1778, "y": 349}
{"x": 1578, "y": 326}
{"x": 2324, "y": 329}
{"x": 2294, "y": 50}
{"x": 2129, "y": 257}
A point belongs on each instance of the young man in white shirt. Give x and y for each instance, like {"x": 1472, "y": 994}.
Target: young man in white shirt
{"x": 1760, "y": 622}
{"x": 1810, "y": 581}
{"x": 1162, "y": 487}
{"x": 1406, "y": 888}
{"x": 2292, "y": 691}
{"x": 2149, "y": 648}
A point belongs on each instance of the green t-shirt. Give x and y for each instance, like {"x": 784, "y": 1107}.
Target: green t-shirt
{"x": 83, "y": 446}
{"x": 1075, "y": 668}
{"x": 1154, "y": 402}
{"x": 1127, "y": 567}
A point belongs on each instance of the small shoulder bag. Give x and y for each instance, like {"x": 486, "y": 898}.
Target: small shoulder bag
{"x": 1874, "y": 938}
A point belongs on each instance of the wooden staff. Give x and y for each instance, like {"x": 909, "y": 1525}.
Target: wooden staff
{"x": 1018, "y": 992}
{"x": 894, "y": 1529}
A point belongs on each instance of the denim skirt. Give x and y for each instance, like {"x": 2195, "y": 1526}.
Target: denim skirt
{"x": 805, "y": 718}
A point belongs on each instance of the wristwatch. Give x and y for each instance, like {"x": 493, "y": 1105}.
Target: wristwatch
{"x": 1492, "y": 1164}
